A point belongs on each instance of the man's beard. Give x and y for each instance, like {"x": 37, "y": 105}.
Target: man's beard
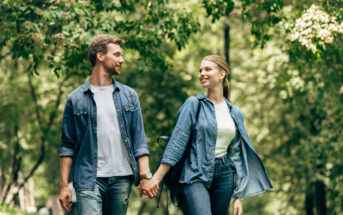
{"x": 113, "y": 70}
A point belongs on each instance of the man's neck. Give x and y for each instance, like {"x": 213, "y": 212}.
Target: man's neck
{"x": 100, "y": 77}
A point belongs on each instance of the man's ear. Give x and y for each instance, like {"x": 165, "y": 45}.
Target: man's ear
{"x": 99, "y": 56}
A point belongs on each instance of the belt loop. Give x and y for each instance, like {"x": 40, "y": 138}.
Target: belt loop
{"x": 223, "y": 159}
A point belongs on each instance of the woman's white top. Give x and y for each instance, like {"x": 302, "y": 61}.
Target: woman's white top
{"x": 226, "y": 128}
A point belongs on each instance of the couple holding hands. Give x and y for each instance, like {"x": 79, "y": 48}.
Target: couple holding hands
{"x": 103, "y": 142}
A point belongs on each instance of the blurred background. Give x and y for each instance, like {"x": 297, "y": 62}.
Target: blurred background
{"x": 286, "y": 61}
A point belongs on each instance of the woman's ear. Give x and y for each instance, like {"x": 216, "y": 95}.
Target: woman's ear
{"x": 222, "y": 74}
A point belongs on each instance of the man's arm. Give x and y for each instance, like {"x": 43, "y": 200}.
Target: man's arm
{"x": 139, "y": 144}
{"x": 65, "y": 193}
{"x": 144, "y": 167}
{"x": 66, "y": 154}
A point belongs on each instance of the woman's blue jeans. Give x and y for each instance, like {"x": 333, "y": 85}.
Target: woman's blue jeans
{"x": 110, "y": 196}
{"x": 215, "y": 200}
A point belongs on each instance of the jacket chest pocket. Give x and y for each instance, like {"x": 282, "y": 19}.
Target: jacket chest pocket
{"x": 81, "y": 117}
{"x": 128, "y": 110}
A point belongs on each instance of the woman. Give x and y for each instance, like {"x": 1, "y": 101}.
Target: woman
{"x": 222, "y": 162}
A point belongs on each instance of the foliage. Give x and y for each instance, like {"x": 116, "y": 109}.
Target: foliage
{"x": 40, "y": 37}
{"x": 314, "y": 29}
{"x": 304, "y": 118}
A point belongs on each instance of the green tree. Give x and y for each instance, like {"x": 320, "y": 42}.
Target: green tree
{"x": 41, "y": 37}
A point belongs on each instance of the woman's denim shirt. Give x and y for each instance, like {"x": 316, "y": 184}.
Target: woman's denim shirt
{"x": 251, "y": 177}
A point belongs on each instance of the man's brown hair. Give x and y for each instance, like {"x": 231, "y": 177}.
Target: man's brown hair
{"x": 99, "y": 44}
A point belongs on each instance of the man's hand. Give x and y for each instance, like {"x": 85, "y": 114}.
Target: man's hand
{"x": 151, "y": 187}
{"x": 141, "y": 185}
{"x": 65, "y": 198}
{"x": 237, "y": 207}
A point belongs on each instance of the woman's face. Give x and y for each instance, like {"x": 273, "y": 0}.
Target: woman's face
{"x": 210, "y": 75}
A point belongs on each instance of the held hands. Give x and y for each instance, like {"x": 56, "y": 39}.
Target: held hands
{"x": 237, "y": 207}
{"x": 149, "y": 187}
{"x": 65, "y": 198}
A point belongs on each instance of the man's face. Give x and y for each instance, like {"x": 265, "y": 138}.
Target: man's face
{"x": 113, "y": 59}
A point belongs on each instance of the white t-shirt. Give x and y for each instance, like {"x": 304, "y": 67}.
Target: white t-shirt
{"x": 113, "y": 158}
{"x": 226, "y": 128}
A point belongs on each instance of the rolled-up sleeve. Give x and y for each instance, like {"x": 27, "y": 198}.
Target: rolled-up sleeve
{"x": 140, "y": 146}
{"x": 185, "y": 120}
{"x": 68, "y": 131}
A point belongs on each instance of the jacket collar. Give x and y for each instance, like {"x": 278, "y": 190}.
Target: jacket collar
{"x": 202, "y": 96}
{"x": 86, "y": 87}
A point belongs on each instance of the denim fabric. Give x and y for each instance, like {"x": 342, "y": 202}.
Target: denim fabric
{"x": 215, "y": 200}
{"x": 79, "y": 132}
{"x": 251, "y": 177}
{"x": 110, "y": 196}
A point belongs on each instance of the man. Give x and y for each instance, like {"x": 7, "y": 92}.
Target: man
{"x": 103, "y": 136}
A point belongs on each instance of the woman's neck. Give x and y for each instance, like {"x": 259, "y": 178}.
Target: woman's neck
{"x": 215, "y": 95}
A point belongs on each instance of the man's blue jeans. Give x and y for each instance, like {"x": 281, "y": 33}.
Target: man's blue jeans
{"x": 201, "y": 200}
{"x": 110, "y": 196}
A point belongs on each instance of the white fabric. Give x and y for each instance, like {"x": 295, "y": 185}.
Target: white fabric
{"x": 113, "y": 159}
{"x": 226, "y": 128}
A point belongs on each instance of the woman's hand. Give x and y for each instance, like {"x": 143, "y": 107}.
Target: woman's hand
{"x": 237, "y": 207}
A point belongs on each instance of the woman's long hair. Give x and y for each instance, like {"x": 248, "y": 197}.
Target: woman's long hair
{"x": 221, "y": 62}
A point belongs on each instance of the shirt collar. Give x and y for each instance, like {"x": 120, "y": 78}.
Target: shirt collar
{"x": 202, "y": 96}
{"x": 87, "y": 86}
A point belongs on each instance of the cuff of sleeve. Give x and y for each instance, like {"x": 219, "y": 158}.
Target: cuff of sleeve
{"x": 240, "y": 198}
{"x": 142, "y": 151}
{"x": 65, "y": 152}
{"x": 169, "y": 161}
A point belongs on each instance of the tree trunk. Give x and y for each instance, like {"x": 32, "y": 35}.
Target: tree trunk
{"x": 15, "y": 185}
{"x": 315, "y": 201}
{"x": 227, "y": 45}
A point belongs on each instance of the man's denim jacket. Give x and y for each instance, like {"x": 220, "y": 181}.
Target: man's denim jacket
{"x": 79, "y": 132}
{"x": 251, "y": 177}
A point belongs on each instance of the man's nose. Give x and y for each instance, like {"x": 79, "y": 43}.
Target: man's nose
{"x": 121, "y": 60}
